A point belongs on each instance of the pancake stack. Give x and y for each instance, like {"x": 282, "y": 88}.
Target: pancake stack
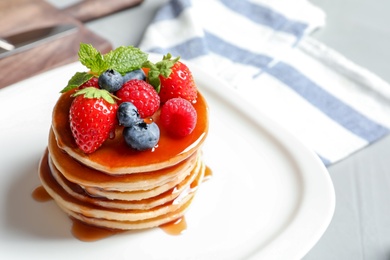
{"x": 117, "y": 187}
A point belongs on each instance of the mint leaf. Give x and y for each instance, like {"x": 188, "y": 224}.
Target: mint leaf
{"x": 163, "y": 68}
{"x": 77, "y": 80}
{"x": 92, "y": 58}
{"x": 124, "y": 59}
{"x": 92, "y": 92}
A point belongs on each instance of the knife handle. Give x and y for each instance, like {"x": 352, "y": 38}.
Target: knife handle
{"x": 88, "y": 10}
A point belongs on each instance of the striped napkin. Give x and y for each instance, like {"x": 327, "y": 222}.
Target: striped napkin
{"x": 261, "y": 48}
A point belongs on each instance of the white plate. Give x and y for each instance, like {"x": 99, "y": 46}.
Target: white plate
{"x": 269, "y": 197}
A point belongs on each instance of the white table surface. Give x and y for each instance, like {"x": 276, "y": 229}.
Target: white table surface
{"x": 358, "y": 29}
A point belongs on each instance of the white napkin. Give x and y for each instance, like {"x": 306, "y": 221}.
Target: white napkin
{"x": 262, "y": 50}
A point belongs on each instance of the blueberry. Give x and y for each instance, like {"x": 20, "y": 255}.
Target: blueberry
{"x": 135, "y": 74}
{"x": 127, "y": 114}
{"x": 142, "y": 136}
{"x": 110, "y": 80}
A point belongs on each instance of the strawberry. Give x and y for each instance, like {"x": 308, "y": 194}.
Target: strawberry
{"x": 180, "y": 83}
{"x": 178, "y": 116}
{"x": 92, "y": 118}
{"x": 142, "y": 95}
{"x": 172, "y": 79}
{"x": 93, "y": 82}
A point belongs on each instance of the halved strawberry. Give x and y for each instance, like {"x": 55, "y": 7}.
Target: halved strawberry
{"x": 92, "y": 117}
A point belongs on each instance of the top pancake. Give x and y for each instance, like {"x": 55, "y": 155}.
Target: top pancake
{"x": 116, "y": 157}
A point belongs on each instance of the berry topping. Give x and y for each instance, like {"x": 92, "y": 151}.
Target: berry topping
{"x": 142, "y": 95}
{"x": 93, "y": 82}
{"x": 180, "y": 83}
{"x": 122, "y": 60}
{"x": 135, "y": 74}
{"x": 127, "y": 114}
{"x": 171, "y": 79}
{"x": 92, "y": 118}
{"x": 178, "y": 116}
{"x": 142, "y": 136}
{"x": 110, "y": 80}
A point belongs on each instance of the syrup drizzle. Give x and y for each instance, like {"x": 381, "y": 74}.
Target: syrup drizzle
{"x": 88, "y": 233}
{"x": 207, "y": 174}
{"x": 41, "y": 195}
{"x": 176, "y": 227}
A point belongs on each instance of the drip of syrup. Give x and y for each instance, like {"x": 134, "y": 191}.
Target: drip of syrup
{"x": 176, "y": 227}
{"x": 207, "y": 174}
{"x": 88, "y": 233}
{"x": 41, "y": 195}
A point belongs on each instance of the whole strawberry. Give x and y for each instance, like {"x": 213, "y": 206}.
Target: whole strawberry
{"x": 172, "y": 79}
{"x": 180, "y": 83}
{"x": 143, "y": 96}
{"x": 92, "y": 118}
{"x": 93, "y": 82}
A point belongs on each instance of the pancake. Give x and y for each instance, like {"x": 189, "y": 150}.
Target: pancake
{"x": 115, "y": 157}
{"x": 81, "y": 194}
{"x": 88, "y": 177}
{"x": 117, "y": 218}
{"x": 132, "y": 225}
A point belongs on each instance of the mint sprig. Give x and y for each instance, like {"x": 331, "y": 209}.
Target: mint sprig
{"x": 92, "y": 92}
{"x": 123, "y": 59}
{"x": 92, "y": 59}
{"x": 77, "y": 80}
{"x": 163, "y": 68}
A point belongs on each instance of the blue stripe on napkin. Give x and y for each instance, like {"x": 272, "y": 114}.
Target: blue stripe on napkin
{"x": 336, "y": 109}
{"x": 266, "y": 16}
{"x": 190, "y": 49}
{"x": 257, "y": 13}
{"x": 325, "y": 161}
{"x": 172, "y": 11}
{"x": 196, "y": 47}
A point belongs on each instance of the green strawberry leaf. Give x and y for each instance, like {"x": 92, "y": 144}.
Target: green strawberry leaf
{"x": 163, "y": 68}
{"x": 77, "y": 80}
{"x": 124, "y": 59}
{"x": 92, "y": 92}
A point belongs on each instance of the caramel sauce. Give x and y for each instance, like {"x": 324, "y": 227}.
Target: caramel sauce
{"x": 88, "y": 233}
{"x": 176, "y": 227}
{"x": 41, "y": 195}
{"x": 87, "y": 176}
{"x": 116, "y": 152}
{"x": 207, "y": 174}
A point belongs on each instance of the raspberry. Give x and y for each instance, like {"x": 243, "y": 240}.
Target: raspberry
{"x": 142, "y": 95}
{"x": 93, "y": 82}
{"x": 178, "y": 116}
